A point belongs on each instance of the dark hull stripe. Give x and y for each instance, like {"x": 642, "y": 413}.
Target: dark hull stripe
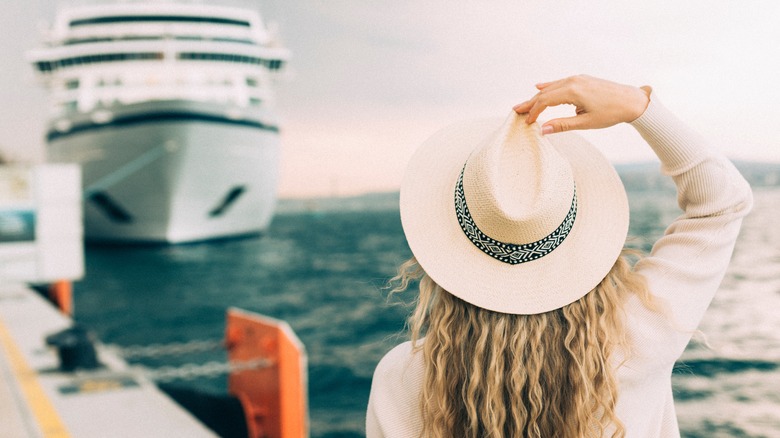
{"x": 158, "y": 117}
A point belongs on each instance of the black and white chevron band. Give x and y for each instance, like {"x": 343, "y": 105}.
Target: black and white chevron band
{"x": 511, "y": 253}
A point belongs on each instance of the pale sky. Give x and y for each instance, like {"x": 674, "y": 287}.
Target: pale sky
{"x": 370, "y": 80}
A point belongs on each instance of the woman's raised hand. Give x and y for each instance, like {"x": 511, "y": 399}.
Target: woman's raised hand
{"x": 599, "y": 103}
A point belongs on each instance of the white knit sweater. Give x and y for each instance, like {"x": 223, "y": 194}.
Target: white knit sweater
{"x": 684, "y": 268}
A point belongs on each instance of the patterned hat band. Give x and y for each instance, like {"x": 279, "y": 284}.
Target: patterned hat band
{"x": 510, "y": 253}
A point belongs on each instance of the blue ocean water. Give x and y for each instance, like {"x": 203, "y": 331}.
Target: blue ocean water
{"x": 322, "y": 266}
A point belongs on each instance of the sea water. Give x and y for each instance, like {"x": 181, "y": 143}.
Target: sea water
{"x": 322, "y": 267}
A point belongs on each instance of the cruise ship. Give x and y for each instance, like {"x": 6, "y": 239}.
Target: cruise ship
{"x": 169, "y": 109}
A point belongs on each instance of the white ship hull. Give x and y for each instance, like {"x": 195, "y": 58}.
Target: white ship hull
{"x": 172, "y": 172}
{"x": 169, "y": 109}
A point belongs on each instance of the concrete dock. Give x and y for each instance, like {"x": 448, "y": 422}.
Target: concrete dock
{"x": 39, "y": 400}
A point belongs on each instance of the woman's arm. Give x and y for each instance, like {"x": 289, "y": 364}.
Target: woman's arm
{"x": 687, "y": 264}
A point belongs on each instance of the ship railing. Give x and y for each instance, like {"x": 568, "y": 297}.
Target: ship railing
{"x": 104, "y": 97}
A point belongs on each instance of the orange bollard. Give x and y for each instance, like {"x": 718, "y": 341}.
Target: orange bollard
{"x": 274, "y": 397}
{"x": 61, "y": 294}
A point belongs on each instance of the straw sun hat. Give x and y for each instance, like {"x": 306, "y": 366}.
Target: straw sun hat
{"x": 510, "y": 220}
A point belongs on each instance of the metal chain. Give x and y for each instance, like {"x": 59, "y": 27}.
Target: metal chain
{"x": 156, "y": 350}
{"x": 194, "y": 371}
{"x": 188, "y": 371}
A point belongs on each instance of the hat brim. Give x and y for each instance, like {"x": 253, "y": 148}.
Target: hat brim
{"x": 561, "y": 277}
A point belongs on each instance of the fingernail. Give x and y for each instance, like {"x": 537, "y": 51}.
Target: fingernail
{"x": 547, "y": 129}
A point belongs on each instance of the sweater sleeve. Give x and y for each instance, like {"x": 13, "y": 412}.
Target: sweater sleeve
{"x": 394, "y": 403}
{"x": 687, "y": 264}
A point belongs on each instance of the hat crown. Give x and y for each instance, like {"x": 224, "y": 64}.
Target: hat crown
{"x": 517, "y": 186}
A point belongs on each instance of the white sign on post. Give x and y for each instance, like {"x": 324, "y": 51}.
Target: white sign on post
{"x": 41, "y": 229}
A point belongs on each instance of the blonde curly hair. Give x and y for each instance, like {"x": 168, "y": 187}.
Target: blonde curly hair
{"x": 491, "y": 374}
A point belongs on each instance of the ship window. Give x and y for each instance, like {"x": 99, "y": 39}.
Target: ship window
{"x": 273, "y": 64}
{"x": 158, "y": 19}
{"x": 252, "y": 82}
{"x": 71, "y": 105}
{"x": 255, "y": 101}
{"x": 72, "y": 84}
{"x": 73, "y": 41}
{"x": 45, "y": 66}
{"x": 110, "y": 207}
{"x": 105, "y": 57}
{"x": 230, "y": 198}
{"x": 232, "y": 40}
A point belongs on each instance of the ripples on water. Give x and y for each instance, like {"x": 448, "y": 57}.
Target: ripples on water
{"x": 323, "y": 273}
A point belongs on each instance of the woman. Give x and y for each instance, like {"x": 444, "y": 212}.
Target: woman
{"x": 530, "y": 321}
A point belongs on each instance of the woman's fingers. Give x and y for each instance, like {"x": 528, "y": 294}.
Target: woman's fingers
{"x": 580, "y": 121}
{"x": 522, "y": 108}
{"x": 544, "y": 87}
{"x": 553, "y": 84}
{"x": 547, "y": 98}
{"x": 599, "y": 103}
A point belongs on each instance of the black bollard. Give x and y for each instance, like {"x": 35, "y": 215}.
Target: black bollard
{"x": 75, "y": 348}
